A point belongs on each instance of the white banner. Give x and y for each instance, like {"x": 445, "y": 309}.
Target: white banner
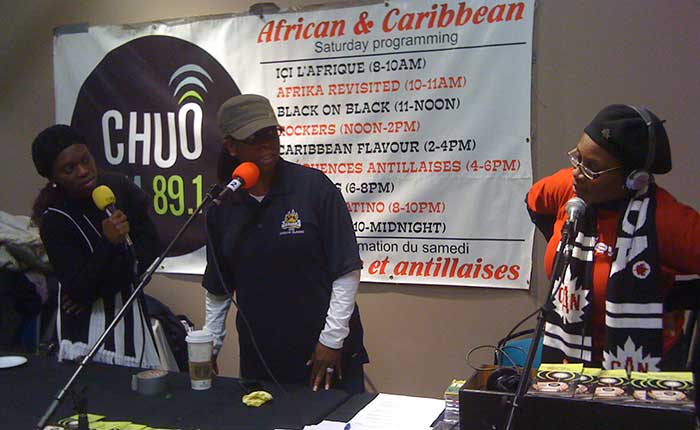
{"x": 419, "y": 112}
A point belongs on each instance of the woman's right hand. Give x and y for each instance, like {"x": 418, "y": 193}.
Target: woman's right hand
{"x": 116, "y": 227}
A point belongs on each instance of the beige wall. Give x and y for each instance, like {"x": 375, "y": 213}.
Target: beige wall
{"x": 588, "y": 54}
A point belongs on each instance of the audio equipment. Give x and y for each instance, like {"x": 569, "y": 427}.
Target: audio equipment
{"x": 639, "y": 178}
{"x": 504, "y": 380}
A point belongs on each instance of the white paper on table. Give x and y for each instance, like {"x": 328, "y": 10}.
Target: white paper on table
{"x": 391, "y": 411}
{"x": 327, "y": 425}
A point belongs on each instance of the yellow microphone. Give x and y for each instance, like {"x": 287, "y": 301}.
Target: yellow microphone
{"x": 104, "y": 200}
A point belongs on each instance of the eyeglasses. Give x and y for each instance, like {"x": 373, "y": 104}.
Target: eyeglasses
{"x": 264, "y": 136}
{"x": 575, "y": 160}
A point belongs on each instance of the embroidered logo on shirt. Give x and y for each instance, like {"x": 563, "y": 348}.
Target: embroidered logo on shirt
{"x": 291, "y": 223}
{"x": 641, "y": 269}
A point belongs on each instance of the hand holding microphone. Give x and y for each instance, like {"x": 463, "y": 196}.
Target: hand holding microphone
{"x": 116, "y": 226}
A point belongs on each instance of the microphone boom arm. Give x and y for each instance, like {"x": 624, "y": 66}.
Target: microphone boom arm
{"x": 561, "y": 262}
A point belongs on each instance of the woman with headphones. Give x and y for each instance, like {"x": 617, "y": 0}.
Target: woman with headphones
{"x": 631, "y": 242}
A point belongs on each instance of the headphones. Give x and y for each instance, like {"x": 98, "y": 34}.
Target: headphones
{"x": 505, "y": 379}
{"x": 638, "y": 179}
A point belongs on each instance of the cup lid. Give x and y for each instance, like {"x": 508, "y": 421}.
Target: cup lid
{"x": 199, "y": 336}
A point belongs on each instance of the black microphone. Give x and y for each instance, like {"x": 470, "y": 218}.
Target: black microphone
{"x": 104, "y": 200}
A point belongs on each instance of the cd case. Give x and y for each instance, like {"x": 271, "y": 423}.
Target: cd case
{"x": 674, "y": 388}
{"x": 556, "y": 379}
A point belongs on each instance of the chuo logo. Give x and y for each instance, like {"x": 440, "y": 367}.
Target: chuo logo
{"x": 149, "y": 111}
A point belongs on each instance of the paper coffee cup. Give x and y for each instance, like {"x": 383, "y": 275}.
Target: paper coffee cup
{"x": 199, "y": 348}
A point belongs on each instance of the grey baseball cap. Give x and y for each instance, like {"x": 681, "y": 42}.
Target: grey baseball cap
{"x": 242, "y": 116}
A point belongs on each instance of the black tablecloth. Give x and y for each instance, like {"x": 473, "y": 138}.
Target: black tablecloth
{"x": 27, "y": 390}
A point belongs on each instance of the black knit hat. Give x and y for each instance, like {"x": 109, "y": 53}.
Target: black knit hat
{"x": 49, "y": 143}
{"x": 622, "y": 131}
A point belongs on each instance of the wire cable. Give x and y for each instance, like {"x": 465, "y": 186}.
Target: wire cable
{"x": 235, "y": 303}
{"x": 496, "y": 349}
{"x": 511, "y": 334}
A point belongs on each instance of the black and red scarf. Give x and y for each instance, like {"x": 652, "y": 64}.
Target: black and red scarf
{"x": 633, "y": 306}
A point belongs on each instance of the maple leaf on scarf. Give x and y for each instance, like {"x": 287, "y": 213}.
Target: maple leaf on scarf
{"x": 631, "y": 358}
{"x": 641, "y": 269}
{"x": 570, "y": 299}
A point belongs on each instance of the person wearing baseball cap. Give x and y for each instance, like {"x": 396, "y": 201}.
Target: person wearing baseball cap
{"x": 632, "y": 240}
{"x": 287, "y": 248}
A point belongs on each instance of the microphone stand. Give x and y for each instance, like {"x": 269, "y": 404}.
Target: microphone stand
{"x": 213, "y": 192}
{"x": 561, "y": 261}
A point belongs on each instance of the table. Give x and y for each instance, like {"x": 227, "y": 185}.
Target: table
{"x": 487, "y": 410}
{"x": 27, "y": 391}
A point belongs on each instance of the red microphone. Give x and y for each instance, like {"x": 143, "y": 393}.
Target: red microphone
{"x": 246, "y": 175}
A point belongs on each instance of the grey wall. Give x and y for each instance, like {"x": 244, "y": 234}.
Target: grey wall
{"x": 588, "y": 54}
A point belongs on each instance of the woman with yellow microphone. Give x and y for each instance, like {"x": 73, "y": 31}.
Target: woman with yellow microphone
{"x": 91, "y": 250}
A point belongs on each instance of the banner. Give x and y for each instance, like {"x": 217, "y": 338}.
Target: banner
{"x": 418, "y": 112}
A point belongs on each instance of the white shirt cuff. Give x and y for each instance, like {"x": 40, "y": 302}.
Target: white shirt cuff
{"x": 216, "y": 310}
{"x": 340, "y": 310}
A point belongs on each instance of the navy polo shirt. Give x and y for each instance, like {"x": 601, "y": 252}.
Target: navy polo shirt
{"x": 281, "y": 257}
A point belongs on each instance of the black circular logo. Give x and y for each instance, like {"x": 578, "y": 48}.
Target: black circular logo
{"x": 149, "y": 111}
